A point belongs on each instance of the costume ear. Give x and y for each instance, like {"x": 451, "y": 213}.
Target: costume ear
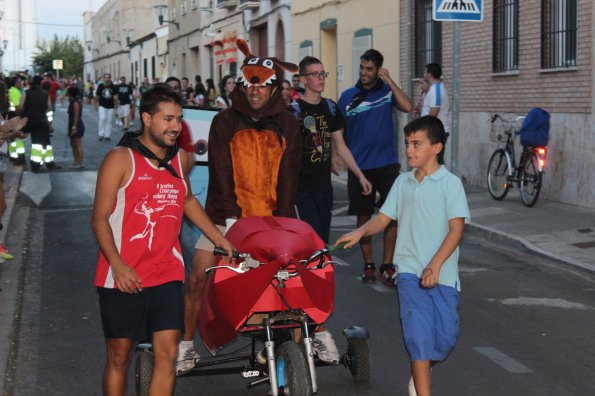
{"x": 287, "y": 66}
{"x": 243, "y": 46}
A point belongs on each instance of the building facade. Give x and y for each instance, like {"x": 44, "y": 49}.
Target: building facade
{"x": 534, "y": 53}
{"x": 202, "y": 39}
{"x": 109, "y": 33}
{"x": 329, "y": 31}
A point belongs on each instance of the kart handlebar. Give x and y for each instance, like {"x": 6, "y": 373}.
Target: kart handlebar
{"x": 217, "y": 251}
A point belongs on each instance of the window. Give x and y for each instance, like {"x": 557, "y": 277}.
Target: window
{"x": 360, "y": 43}
{"x": 428, "y": 37}
{"x": 305, "y": 49}
{"x": 558, "y": 33}
{"x": 183, "y": 7}
{"x": 193, "y": 4}
{"x": 505, "y": 34}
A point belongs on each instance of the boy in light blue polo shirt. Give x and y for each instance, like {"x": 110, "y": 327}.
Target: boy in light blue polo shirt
{"x": 430, "y": 206}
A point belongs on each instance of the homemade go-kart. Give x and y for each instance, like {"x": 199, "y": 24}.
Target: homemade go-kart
{"x": 277, "y": 290}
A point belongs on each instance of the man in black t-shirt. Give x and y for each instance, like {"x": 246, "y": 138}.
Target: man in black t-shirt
{"x": 105, "y": 104}
{"x": 124, "y": 99}
{"x": 322, "y": 126}
{"x": 322, "y": 131}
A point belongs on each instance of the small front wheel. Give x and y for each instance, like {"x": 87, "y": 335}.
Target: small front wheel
{"x": 499, "y": 171}
{"x": 293, "y": 374}
{"x": 143, "y": 372}
{"x": 358, "y": 360}
{"x": 530, "y": 180}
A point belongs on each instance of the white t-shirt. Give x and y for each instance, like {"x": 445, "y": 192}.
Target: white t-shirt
{"x": 437, "y": 96}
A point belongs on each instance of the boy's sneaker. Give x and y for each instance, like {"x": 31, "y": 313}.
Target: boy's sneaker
{"x": 4, "y": 253}
{"x": 388, "y": 274}
{"x": 369, "y": 273}
{"x": 324, "y": 345}
{"x": 187, "y": 360}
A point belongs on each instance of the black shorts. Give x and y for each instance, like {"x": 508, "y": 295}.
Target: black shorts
{"x": 382, "y": 180}
{"x": 138, "y": 316}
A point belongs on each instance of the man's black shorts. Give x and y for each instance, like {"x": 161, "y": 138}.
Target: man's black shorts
{"x": 382, "y": 180}
{"x": 138, "y": 316}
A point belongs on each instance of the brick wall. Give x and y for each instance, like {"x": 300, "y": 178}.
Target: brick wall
{"x": 566, "y": 94}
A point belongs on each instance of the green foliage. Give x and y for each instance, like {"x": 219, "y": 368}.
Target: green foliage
{"x": 69, "y": 49}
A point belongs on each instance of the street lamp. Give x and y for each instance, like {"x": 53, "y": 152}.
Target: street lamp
{"x": 159, "y": 9}
{"x": 89, "y": 44}
{"x": 128, "y": 33}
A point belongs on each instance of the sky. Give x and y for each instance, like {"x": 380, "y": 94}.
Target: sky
{"x": 66, "y": 13}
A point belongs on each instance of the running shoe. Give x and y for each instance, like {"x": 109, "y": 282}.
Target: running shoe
{"x": 369, "y": 273}
{"x": 187, "y": 361}
{"x": 388, "y": 274}
{"x": 326, "y": 349}
{"x": 4, "y": 253}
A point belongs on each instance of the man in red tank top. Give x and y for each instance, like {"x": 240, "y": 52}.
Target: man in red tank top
{"x": 141, "y": 196}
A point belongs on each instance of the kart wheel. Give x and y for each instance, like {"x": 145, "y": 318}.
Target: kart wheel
{"x": 293, "y": 375}
{"x": 358, "y": 360}
{"x": 143, "y": 372}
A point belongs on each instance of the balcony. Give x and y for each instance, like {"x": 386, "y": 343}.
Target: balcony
{"x": 227, "y": 3}
{"x": 246, "y": 4}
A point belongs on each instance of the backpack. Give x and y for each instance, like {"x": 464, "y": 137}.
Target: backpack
{"x": 535, "y": 131}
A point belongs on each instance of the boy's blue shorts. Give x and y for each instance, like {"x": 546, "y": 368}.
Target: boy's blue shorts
{"x": 429, "y": 318}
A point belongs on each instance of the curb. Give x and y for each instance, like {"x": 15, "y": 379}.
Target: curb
{"x": 492, "y": 234}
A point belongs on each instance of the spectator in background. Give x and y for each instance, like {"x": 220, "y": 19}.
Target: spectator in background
{"x": 36, "y": 105}
{"x": 187, "y": 91}
{"x": 228, "y": 83}
{"x": 76, "y": 127}
{"x": 54, "y": 89}
{"x": 286, "y": 93}
{"x": 106, "y": 102}
{"x": 296, "y": 90}
{"x": 133, "y": 102}
{"x": 124, "y": 99}
{"x": 436, "y": 101}
{"x": 211, "y": 93}
{"x": 423, "y": 90}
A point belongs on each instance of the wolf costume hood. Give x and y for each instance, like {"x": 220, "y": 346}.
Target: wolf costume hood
{"x": 260, "y": 71}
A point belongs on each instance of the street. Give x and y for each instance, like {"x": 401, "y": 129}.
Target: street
{"x": 526, "y": 321}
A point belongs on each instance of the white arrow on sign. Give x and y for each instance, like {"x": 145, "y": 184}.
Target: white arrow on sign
{"x": 459, "y": 6}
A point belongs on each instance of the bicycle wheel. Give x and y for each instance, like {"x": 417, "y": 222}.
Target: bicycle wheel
{"x": 498, "y": 172}
{"x": 530, "y": 180}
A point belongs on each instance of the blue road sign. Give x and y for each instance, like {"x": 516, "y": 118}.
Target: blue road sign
{"x": 458, "y": 10}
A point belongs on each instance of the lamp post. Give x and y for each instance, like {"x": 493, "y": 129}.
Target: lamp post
{"x": 159, "y": 10}
{"x": 128, "y": 33}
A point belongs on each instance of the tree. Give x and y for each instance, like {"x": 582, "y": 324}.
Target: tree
{"x": 69, "y": 49}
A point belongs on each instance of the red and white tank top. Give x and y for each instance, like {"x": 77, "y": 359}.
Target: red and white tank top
{"x": 146, "y": 222}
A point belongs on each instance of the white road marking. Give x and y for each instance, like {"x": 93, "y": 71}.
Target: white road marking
{"x": 341, "y": 209}
{"x": 503, "y": 360}
{"x": 546, "y": 302}
{"x": 36, "y": 186}
{"x": 462, "y": 268}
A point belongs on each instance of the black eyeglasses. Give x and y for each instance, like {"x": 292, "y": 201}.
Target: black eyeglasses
{"x": 317, "y": 74}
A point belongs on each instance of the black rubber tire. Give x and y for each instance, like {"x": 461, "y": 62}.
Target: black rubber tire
{"x": 292, "y": 361}
{"x": 498, "y": 172}
{"x": 143, "y": 372}
{"x": 358, "y": 356}
{"x": 530, "y": 181}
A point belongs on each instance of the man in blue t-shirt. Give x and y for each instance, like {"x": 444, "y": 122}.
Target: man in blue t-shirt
{"x": 370, "y": 135}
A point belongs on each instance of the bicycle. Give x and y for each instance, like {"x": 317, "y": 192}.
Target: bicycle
{"x": 503, "y": 173}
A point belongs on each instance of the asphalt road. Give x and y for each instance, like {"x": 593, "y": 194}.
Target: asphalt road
{"x": 526, "y": 322}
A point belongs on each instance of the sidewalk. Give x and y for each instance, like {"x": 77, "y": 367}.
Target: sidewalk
{"x": 562, "y": 232}
{"x": 565, "y": 233}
